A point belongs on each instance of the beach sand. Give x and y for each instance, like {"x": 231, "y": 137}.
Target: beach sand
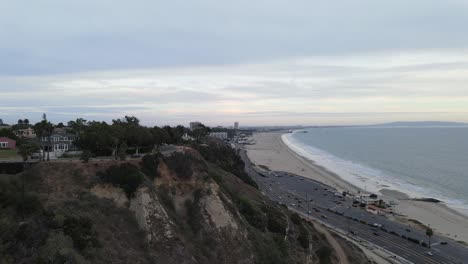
{"x": 270, "y": 151}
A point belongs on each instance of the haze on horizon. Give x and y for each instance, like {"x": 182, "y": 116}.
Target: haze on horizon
{"x": 256, "y": 62}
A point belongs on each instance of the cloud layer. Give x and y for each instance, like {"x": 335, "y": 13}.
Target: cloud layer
{"x": 361, "y": 88}
{"x": 258, "y": 62}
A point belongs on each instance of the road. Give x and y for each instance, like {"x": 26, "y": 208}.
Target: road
{"x": 318, "y": 201}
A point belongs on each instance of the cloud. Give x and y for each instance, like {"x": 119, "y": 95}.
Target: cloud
{"x": 287, "y": 91}
{"x": 54, "y": 36}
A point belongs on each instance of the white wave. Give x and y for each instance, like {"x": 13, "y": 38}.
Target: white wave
{"x": 364, "y": 177}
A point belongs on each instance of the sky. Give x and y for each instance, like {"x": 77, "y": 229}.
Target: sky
{"x": 275, "y": 62}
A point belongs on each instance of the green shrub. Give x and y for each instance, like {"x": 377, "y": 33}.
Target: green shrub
{"x": 296, "y": 219}
{"x": 149, "y": 165}
{"x": 85, "y": 156}
{"x": 181, "y": 164}
{"x": 58, "y": 248}
{"x": 81, "y": 232}
{"x": 252, "y": 214}
{"x": 126, "y": 176}
{"x": 226, "y": 158}
{"x": 303, "y": 237}
{"x": 276, "y": 222}
{"x": 324, "y": 254}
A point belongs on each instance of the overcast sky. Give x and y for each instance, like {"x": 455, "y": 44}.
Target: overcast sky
{"x": 257, "y": 62}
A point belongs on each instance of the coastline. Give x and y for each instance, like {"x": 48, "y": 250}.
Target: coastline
{"x": 272, "y": 152}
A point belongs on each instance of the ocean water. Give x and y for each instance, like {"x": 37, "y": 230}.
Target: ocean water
{"x": 418, "y": 161}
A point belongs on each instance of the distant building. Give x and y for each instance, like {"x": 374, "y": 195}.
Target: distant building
{"x": 1, "y": 122}
{"x": 246, "y": 132}
{"x": 7, "y": 143}
{"x": 59, "y": 143}
{"x": 194, "y": 125}
{"x": 25, "y": 132}
{"x": 236, "y": 125}
{"x": 219, "y": 135}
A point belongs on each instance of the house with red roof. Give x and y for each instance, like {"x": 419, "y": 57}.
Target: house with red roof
{"x": 7, "y": 143}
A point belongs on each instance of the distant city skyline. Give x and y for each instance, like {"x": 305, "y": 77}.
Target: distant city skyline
{"x": 256, "y": 62}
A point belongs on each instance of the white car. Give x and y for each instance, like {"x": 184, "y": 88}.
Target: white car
{"x": 429, "y": 253}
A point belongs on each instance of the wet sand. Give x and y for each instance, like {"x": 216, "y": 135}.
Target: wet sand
{"x": 270, "y": 151}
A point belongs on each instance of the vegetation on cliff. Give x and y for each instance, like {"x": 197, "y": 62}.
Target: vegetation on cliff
{"x": 187, "y": 207}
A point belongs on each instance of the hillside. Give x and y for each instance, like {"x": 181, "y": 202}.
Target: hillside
{"x": 182, "y": 208}
{"x": 422, "y": 124}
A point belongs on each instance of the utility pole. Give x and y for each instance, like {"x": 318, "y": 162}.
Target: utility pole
{"x": 307, "y": 201}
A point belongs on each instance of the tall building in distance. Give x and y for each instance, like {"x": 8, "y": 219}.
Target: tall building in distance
{"x": 194, "y": 125}
{"x": 236, "y": 125}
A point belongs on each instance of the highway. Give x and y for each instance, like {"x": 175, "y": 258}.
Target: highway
{"x": 319, "y": 202}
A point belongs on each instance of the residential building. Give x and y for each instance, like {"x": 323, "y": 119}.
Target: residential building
{"x": 59, "y": 142}
{"x": 194, "y": 125}
{"x": 27, "y": 132}
{"x": 7, "y": 143}
{"x": 219, "y": 135}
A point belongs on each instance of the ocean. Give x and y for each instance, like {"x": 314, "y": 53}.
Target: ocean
{"x": 419, "y": 161}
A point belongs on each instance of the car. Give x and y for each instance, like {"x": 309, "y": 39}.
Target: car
{"x": 408, "y": 230}
{"x": 429, "y": 253}
{"x": 443, "y": 243}
{"x": 309, "y": 212}
{"x": 324, "y": 216}
{"x": 293, "y": 204}
{"x": 299, "y": 201}
{"x": 376, "y": 234}
{"x": 353, "y": 232}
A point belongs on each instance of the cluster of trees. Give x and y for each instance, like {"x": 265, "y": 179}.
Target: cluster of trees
{"x": 118, "y": 138}
{"x": 122, "y": 136}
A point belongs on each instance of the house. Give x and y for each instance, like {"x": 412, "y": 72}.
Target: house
{"x": 25, "y": 132}
{"x": 219, "y": 135}
{"x": 7, "y": 143}
{"x": 60, "y": 142}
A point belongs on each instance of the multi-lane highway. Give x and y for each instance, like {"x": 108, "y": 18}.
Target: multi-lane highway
{"x": 318, "y": 201}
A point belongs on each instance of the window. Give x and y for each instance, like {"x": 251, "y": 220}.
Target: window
{"x": 3, "y": 144}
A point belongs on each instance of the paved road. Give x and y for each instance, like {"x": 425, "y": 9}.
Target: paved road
{"x": 318, "y": 201}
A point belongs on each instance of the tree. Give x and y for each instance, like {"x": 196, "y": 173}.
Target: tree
{"x": 429, "y": 233}
{"x": 44, "y": 130}
{"x": 201, "y": 131}
{"x": 26, "y": 121}
{"x": 85, "y": 156}
{"x": 20, "y": 121}
{"x": 123, "y": 151}
{"x": 78, "y": 126}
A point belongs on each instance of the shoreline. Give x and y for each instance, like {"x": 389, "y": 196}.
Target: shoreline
{"x": 271, "y": 151}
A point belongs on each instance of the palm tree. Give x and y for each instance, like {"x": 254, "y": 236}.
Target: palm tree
{"x": 429, "y": 233}
{"x": 20, "y": 121}
{"x": 43, "y": 130}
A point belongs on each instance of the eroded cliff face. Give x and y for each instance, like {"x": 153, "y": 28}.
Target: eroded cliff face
{"x": 206, "y": 216}
{"x": 151, "y": 216}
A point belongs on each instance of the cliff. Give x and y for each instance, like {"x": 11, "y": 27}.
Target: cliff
{"x": 160, "y": 209}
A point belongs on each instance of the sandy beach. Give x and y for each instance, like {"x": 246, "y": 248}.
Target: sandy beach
{"x": 270, "y": 151}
